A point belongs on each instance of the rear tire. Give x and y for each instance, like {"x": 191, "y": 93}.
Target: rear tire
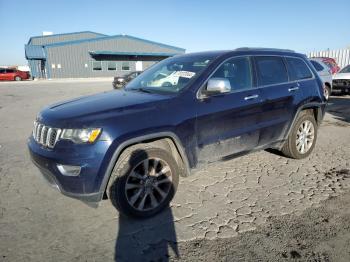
{"x": 18, "y": 78}
{"x": 144, "y": 181}
{"x": 302, "y": 138}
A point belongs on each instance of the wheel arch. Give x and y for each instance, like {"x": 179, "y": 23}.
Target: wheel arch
{"x": 314, "y": 108}
{"x": 167, "y": 140}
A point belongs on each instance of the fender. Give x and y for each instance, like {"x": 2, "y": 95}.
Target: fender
{"x": 139, "y": 139}
{"x": 320, "y": 113}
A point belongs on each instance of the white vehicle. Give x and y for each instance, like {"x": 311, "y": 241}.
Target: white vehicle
{"x": 341, "y": 80}
{"x": 325, "y": 74}
{"x": 162, "y": 79}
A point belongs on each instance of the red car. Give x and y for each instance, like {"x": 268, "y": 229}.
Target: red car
{"x": 330, "y": 62}
{"x": 10, "y": 74}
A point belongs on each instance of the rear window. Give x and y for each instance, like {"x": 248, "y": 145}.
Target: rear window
{"x": 270, "y": 70}
{"x": 317, "y": 65}
{"x": 297, "y": 69}
{"x": 345, "y": 69}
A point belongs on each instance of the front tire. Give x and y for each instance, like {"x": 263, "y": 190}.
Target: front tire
{"x": 18, "y": 78}
{"x": 302, "y": 138}
{"x": 327, "y": 92}
{"x": 143, "y": 181}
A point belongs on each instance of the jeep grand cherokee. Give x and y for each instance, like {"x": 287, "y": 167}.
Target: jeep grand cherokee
{"x": 133, "y": 145}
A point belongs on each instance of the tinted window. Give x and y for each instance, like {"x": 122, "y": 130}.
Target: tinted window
{"x": 270, "y": 70}
{"x": 298, "y": 69}
{"x": 97, "y": 65}
{"x": 10, "y": 71}
{"x": 125, "y": 66}
{"x": 112, "y": 66}
{"x": 317, "y": 65}
{"x": 2, "y": 71}
{"x": 237, "y": 71}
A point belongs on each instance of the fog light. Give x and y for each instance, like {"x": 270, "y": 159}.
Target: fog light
{"x": 69, "y": 170}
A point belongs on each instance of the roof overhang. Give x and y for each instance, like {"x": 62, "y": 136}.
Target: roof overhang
{"x": 131, "y": 54}
{"x": 34, "y": 52}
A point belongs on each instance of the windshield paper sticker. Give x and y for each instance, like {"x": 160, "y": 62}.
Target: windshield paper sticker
{"x": 185, "y": 74}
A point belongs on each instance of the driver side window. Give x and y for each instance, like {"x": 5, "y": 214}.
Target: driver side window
{"x": 237, "y": 71}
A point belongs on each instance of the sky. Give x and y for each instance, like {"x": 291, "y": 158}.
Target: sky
{"x": 301, "y": 25}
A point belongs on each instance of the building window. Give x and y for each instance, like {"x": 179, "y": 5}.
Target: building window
{"x": 96, "y": 65}
{"x": 112, "y": 66}
{"x": 126, "y": 66}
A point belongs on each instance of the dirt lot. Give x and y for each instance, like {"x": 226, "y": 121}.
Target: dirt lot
{"x": 260, "y": 207}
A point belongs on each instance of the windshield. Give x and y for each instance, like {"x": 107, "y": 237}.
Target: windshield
{"x": 345, "y": 69}
{"x": 171, "y": 75}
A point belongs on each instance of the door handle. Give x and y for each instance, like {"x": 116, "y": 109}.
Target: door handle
{"x": 293, "y": 89}
{"x": 251, "y": 97}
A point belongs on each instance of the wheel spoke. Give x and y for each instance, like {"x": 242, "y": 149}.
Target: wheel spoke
{"x": 136, "y": 196}
{"x": 161, "y": 192}
{"x": 136, "y": 175}
{"x": 142, "y": 202}
{"x": 164, "y": 170}
{"x": 164, "y": 180}
{"x": 146, "y": 166}
{"x": 132, "y": 186}
{"x": 154, "y": 201}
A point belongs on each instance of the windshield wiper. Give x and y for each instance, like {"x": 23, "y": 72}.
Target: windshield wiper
{"x": 144, "y": 90}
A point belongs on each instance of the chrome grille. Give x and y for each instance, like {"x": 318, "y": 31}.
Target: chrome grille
{"x": 45, "y": 135}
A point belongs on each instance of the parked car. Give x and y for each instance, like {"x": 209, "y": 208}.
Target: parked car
{"x": 133, "y": 145}
{"x": 341, "y": 81}
{"x": 330, "y": 62}
{"x": 10, "y": 74}
{"x": 325, "y": 74}
{"x": 121, "y": 81}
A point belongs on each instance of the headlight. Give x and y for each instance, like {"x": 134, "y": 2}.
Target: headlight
{"x": 88, "y": 135}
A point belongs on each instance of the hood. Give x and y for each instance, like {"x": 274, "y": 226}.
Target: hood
{"x": 92, "y": 107}
{"x": 341, "y": 76}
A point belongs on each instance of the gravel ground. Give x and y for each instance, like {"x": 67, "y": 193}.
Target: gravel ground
{"x": 257, "y": 207}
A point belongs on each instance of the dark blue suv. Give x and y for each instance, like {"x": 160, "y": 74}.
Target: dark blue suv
{"x": 132, "y": 145}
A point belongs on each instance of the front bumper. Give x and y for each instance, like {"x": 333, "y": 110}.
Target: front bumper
{"x": 343, "y": 85}
{"x": 87, "y": 185}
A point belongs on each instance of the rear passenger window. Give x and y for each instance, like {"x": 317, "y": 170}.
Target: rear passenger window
{"x": 297, "y": 69}
{"x": 317, "y": 65}
{"x": 237, "y": 71}
{"x": 271, "y": 70}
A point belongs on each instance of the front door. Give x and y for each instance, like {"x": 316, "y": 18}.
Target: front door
{"x": 227, "y": 123}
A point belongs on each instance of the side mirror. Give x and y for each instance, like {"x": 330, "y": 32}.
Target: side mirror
{"x": 218, "y": 86}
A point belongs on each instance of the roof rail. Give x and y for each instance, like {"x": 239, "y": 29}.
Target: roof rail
{"x": 262, "y": 49}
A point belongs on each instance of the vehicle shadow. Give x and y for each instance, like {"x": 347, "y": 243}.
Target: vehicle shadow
{"x": 146, "y": 239}
{"x": 339, "y": 108}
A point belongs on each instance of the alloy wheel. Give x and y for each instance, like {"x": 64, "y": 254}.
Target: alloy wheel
{"x": 305, "y": 136}
{"x": 148, "y": 184}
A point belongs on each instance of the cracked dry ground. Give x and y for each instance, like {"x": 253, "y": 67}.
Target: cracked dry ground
{"x": 223, "y": 201}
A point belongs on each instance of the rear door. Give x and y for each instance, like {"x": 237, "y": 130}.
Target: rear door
{"x": 280, "y": 96}
{"x": 301, "y": 75}
{"x": 227, "y": 123}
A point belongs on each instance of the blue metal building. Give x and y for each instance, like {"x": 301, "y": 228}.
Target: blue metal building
{"x": 90, "y": 54}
